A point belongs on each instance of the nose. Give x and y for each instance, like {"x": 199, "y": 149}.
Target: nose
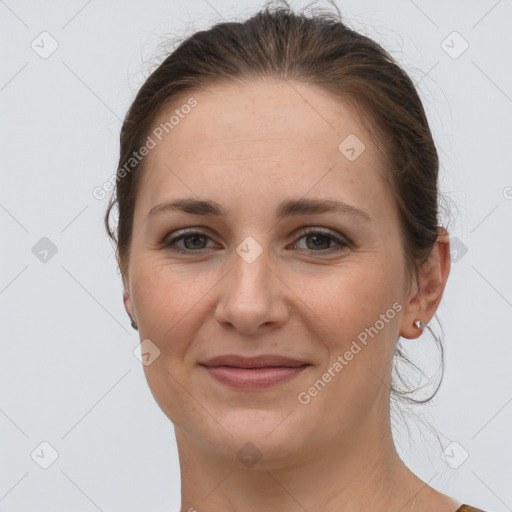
{"x": 253, "y": 297}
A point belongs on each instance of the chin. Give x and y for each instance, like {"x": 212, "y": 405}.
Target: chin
{"x": 262, "y": 452}
{"x": 264, "y": 437}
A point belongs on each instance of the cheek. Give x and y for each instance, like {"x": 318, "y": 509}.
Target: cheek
{"x": 361, "y": 306}
{"x": 167, "y": 302}
{"x": 165, "y": 294}
{"x": 165, "y": 381}
{"x": 351, "y": 297}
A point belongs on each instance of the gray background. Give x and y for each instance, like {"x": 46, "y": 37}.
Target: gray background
{"x": 68, "y": 374}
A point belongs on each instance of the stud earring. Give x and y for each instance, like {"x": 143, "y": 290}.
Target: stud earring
{"x": 419, "y": 324}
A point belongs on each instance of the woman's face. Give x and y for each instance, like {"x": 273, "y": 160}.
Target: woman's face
{"x": 250, "y": 282}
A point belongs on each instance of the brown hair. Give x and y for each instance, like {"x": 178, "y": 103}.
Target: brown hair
{"x": 319, "y": 50}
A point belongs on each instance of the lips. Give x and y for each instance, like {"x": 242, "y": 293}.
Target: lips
{"x": 263, "y": 361}
{"x": 253, "y": 373}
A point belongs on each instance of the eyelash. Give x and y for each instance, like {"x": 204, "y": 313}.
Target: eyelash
{"x": 343, "y": 243}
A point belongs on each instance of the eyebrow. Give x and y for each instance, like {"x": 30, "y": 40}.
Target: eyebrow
{"x": 288, "y": 208}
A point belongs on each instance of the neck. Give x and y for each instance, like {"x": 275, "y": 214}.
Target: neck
{"x": 360, "y": 470}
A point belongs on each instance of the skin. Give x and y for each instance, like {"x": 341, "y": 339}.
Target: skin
{"x": 248, "y": 147}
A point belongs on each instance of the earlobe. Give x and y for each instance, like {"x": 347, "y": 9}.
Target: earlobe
{"x": 431, "y": 283}
{"x": 128, "y": 306}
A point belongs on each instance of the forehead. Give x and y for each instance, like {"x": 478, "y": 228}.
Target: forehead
{"x": 279, "y": 133}
{"x": 261, "y": 111}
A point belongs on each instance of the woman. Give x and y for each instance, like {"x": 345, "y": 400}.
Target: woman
{"x": 278, "y": 232}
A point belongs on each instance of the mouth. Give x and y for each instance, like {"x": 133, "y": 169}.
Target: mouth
{"x": 253, "y": 373}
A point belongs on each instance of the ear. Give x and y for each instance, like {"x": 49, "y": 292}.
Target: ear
{"x": 427, "y": 293}
{"x": 128, "y": 305}
{"x": 127, "y": 299}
